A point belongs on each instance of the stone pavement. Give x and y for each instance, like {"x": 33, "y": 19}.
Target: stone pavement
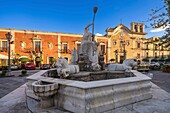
{"x": 8, "y": 84}
{"x": 15, "y": 102}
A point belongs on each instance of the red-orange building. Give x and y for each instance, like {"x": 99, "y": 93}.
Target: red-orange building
{"x": 42, "y": 46}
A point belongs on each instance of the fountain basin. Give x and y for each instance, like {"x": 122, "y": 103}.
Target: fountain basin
{"x": 97, "y": 96}
{"x": 45, "y": 91}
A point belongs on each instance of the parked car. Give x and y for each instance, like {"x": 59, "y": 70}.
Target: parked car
{"x": 167, "y": 63}
{"x": 45, "y": 66}
{"x": 161, "y": 63}
{"x": 14, "y": 67}
{"x": 29, "y": 66}
{"x": 154, "y": 64}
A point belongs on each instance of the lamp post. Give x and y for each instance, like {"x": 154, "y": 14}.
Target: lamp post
{"x": 9, "y": 36}
{"x": 124, "y": 49}
{"x": 95, "y": 11}
{"x": 116, "y": 53}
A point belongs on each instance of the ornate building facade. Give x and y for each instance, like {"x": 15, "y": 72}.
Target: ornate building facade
{"x": 118, "y": 43}
{"x": 124, "y": 42}
{"x": 132, "y": 43}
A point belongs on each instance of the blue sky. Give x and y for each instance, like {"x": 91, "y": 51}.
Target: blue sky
{"x": 71, "y": 16}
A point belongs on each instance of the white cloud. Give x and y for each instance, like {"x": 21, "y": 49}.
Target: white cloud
{"x": 98, "y": 34}
{"x": 160, "y": 29}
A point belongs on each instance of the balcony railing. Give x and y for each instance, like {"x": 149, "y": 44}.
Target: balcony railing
{"x": 37, "y": 50}
{"x": 64, "y": 51}
{"x": 145, "y": 48}
{"x": 3, "y": 49}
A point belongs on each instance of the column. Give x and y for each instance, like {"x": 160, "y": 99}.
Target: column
{"x": 109, "y": 47}
{"x": 59, "y": 45}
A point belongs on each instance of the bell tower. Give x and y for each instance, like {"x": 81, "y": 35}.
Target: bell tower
{"x": 137, "y": 27}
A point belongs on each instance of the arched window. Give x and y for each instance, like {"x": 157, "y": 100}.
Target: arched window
{"x": 156, "y": 55}
{"x": 141, "y": 28}
{"x": 136, "y": 28}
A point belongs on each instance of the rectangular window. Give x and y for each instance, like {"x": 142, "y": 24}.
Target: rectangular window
{"x": 102, "y": 49}
{"x": 156, "y": 47}
{"x": 138, "y": 45}
{"x": 65, "y": 48}
{"x": 4, "y": 45}
{"x": 37, "y": 46}
{"x": 147, "y": 54}
{"x": 138, "y": 55}
{"x": 78, "y": 45}
{"x": 162, "y": 55}
{"x": 147, "y": 46}
{"x": 156, "y": 55}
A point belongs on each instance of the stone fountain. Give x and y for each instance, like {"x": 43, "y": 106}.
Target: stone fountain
{"x": 85, "y": 85}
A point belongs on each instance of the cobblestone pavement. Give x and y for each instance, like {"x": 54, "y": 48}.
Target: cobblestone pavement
{"x": 8, "y": 84}
{"x": 161, "y": 79}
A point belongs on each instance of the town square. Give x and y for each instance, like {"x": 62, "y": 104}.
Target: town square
{"x": 85, "y": 56}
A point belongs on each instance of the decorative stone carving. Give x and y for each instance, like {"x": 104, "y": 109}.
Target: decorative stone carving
{"x": 130, "y": 62}
{"x": 88, "y": 53}
{"x": 50, "y": 45}
{"x": 74, "y": 57}
{"x": 64, "y": 69}
{"x": 127, "y": 65}
{"x": 45, "y": 90}
{"x": 23, "y": 44}
{"x": 87, "y": 35}
{"x": 101, "y": 61}
{"x": 118, "y": 67}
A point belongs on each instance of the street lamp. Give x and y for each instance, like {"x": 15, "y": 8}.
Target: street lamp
{"x": 124, "y": 50}
{"x": 116, "y": 53}
{"x": 94, "y": 11}
{"x": 9, "y": 36}
{"x": 124, "y": 43}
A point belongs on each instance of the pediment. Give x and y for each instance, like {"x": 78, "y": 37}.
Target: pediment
{"x": 36, "y": 37}
{"x": 117, "y": 29}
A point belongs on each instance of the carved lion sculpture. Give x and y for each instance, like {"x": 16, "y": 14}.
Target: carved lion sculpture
{"x": 64, "y": 69}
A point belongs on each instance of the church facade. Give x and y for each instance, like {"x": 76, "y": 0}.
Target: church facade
{"x": 118, "y": 43}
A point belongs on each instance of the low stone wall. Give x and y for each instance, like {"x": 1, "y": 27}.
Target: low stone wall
{"x": 100, "y": 75}
{"x": 98, "y": 96}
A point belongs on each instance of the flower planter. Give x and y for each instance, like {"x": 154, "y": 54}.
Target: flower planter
{"x": 166, "y": 70}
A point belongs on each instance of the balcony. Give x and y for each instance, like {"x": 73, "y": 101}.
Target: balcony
{"x": 3, "y": 49}
{"x": 145, "y": 48}
{"x": 64, "y": 51}
{"x": 37, "y": 50}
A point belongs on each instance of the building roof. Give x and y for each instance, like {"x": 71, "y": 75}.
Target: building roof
{"x": 121, "y": 26}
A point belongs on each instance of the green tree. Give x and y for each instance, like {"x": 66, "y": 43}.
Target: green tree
{"x": 16, "y": 58}
{"x": 160, "y": 18}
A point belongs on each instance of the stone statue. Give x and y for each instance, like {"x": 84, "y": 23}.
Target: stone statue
{"x": 87, "y": 35}
{"x": 88, "y": 52}
{"x": 127, "y": 65}
{"x": 94, "y": 60}
{"x": 74, "y": 57}
{"x": 101, "y": 61}
{"x": 130, "y": 62}
{"x": 64, "y": 69}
